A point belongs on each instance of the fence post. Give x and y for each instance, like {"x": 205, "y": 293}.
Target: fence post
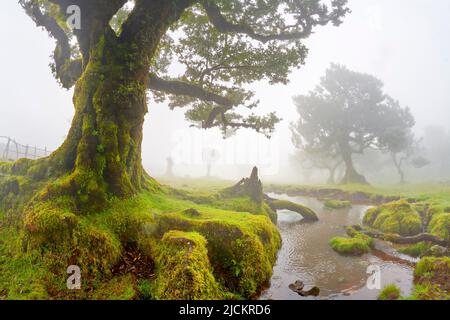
{"x": 35, "y": 152}
{"x": 6, "y": 153}
{"x": 17, "y": 149}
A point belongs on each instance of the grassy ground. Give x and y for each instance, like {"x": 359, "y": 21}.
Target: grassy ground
{"x": 185, "y": 231}
{"x": 197, "y": 184}
{"x": 432, "y": 193}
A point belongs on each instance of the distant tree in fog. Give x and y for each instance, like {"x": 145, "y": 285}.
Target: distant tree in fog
{"x": 399, "y": 143}
{"x": 346, "y": 114}
{"x": 310, "y": 160}
{"x": 436, "y": 143}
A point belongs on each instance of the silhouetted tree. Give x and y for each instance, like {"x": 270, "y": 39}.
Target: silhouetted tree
{"x": 310, "y": 161}
{"x": 169, "y": 168}
{"x": 398, "y": 139}
{"x": 347, "y": 114}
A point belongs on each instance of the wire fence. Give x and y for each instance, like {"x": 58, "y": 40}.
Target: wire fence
{"x": 11, "y": 150}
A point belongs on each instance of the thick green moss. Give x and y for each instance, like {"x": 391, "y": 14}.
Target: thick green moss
{"x": 440, "y": 225}
{"x": 390, "y": 292}
{"x": 306, "y": 212}
{"x": 356, "y": 246}
{"x": 23, "y": 275}
{"x": 55, "y": 228}
{"x": 396, "y": 217}
{"x": 431, "y": 279}
{"x": 217, "y": 200}
{"x": 337, "y": 204}
{"x": 358, "y": 243}
{"x": 241, "y": 247}
{"x": 118, "y": 288}
{"x": 183, "y": 270}
{"x": 416, "y": 250}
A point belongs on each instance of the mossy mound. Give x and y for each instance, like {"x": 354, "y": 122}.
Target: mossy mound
{"x": 440, "y": 225}
{"x": 356, "y": 246}
{"x": 71, "y": 238}
{"x": 416, "y": 250}
{"x": 432, "y": 279}
{"x": 242, "y": 248}
{"x": 398, "y": 217}
{"x": 390, "y": 292}
{"x": 183, "y": 270}
{"x": 337, "y": 204}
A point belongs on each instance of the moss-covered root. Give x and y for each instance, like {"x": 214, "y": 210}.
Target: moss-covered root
{"x": 183, "y": 268}
{"x": 432, "y": 279}
{"x": 305, "y": 212}
{"x": 357, "y": 245}
{"x": 390, "y": 292}
{"x": 398, "y": 217}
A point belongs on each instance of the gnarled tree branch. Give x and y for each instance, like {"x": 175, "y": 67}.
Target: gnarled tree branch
{"x": 223, "y": 25}
{"x": 186, "y": 89}
{"x": 66, "y": 69}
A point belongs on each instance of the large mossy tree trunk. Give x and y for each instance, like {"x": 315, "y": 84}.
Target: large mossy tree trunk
{"x": 101, "y": 156}
{"x": 102, "y": 152}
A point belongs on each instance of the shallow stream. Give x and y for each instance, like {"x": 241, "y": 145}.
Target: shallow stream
{"x": 306, "y": 255}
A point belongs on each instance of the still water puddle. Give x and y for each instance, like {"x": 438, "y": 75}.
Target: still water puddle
{"x": 306, "y": 256}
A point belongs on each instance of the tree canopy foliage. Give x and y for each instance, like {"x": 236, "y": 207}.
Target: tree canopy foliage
{"x": 221, "y": 45}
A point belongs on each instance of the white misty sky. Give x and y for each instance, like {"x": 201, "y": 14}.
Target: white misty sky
{"x": 402, "y": 42}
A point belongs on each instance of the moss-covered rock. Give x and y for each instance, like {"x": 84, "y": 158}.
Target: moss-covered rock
{"x": 183, "y": 268}
{"x": 390, "y": 292}
{"x": 396, "y": 217}
{"x": 337, "y": 204}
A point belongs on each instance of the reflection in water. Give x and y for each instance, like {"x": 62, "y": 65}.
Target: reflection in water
{"x": 306, "y": 256}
